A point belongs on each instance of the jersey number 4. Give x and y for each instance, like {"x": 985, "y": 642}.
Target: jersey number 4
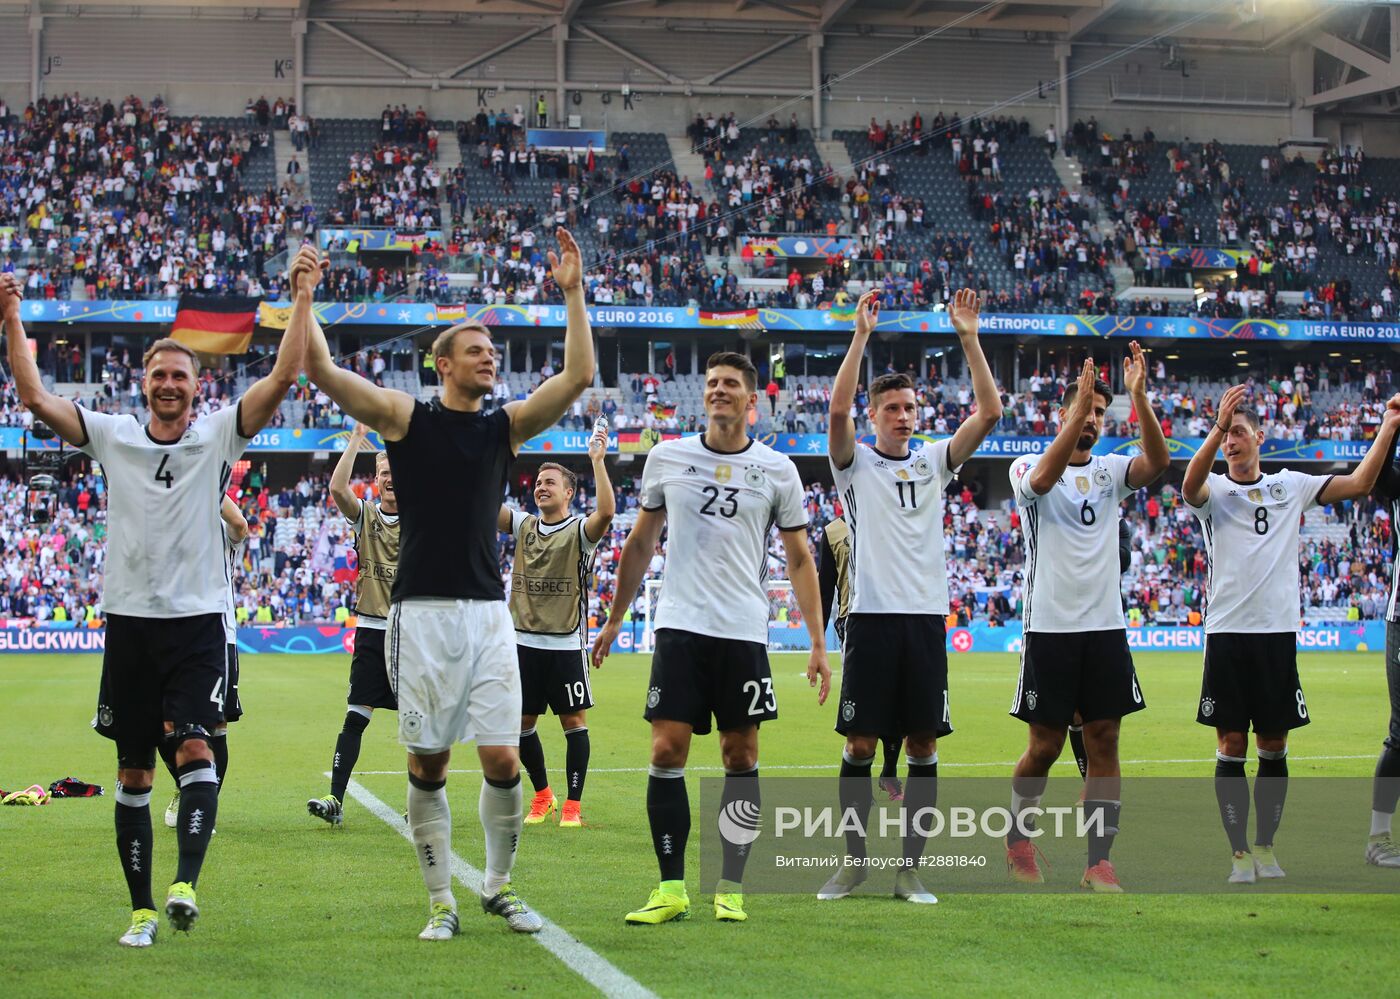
{"x": 165, "y": 476}
{"x": 728, "y": 506}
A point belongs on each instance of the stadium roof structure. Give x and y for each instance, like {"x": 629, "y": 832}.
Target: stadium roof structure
{"x": 1354, "y": 44}
{"x": 1247, "y": 23}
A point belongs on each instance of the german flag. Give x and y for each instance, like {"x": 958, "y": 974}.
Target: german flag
{"x": 739, "y": 319}
{"x": 215, "y": 324}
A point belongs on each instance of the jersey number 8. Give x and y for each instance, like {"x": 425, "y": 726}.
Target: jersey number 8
{"x": 1261, "y": 520}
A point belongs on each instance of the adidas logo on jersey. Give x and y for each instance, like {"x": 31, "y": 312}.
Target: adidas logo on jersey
{"x": 690, "y": 470}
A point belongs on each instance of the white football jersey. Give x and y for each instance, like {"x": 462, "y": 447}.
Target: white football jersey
{"x": 165, "y": 538}
{"x": 719, "y": 509}
{"x": 1071, "y": 575}
{"x": 232, "y": 557}
{"x": 894, "y": 508}
{"x": 1251, "y": 533}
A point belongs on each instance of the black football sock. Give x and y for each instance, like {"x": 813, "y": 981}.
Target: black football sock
{"x": 576, "y": 751}
{"x": 199, "y": 804}
{"x": 739, "y": 810}
{"x": 219, "y": 744}
{"x": 920, "y": 798}
{"x": 347, "y": 752}
{"x": 1102, "y": 819}
{"x": 1385, "y": 790}
{"x": 1076, "y": 743}
{"x": 890, "y": 767}
{"x": 668, "y": 811}
{"x": 855, "y": 795}
{"x": 167, "y": 756}
{"x": 532, "y": 759}
{"x": 1270, "y": 792}
{"x": 1232, "y": 795}
{"x": 134, "y": 843}
{"x": 1026, "y": 792}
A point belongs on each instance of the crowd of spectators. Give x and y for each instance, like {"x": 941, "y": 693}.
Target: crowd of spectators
{"x": 122, "y": 200}
{"x": 391, "y": 185}
{"x": 298, "y": 569}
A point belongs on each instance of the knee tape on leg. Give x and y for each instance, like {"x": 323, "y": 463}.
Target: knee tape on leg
{"x": 184, "y": 733}
{"x": 1273, "y": 754}
{"x": 136, "y": 757}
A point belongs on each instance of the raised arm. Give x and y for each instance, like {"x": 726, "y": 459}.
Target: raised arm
{"x": 802, "y": 570}
{"x": 631, "y": 566}
{"x": 841, "y": 430}
{"x": 1388, "y": 482}
{"x": 345, "y": 499}
{"x": 605, "y": 501}
{"x": 1362, "y": 479}
{"x": 263, "y": 397}
{"x": 387, "y": 410}
{"x": 60, "y": 414}
{"x": 974, "y": 430}
{"x": 1145, "y": 467}
{"x": 1193, "y": 486}
{"x": 235, "y": 524}
{"x": 1053, "y": 462}
{"x": 543, "y": 407}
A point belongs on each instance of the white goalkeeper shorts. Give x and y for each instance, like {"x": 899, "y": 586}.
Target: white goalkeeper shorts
{"x": 452, "y": 665}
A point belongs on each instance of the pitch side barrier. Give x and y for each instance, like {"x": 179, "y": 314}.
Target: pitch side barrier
{"x": 1360, "y": 636}
{"x": 683, "y": 318}
{"x": 553, "y": 443}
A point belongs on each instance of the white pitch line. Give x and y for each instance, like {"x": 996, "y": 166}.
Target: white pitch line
{"x": 833, "y": 766}
{"x": 577, "y": 956}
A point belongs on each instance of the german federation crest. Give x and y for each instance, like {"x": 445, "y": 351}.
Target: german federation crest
{"x": 922, "y": 467}
{"x": 1277, "y": 491}
{"x": 753, "y": 477}
{"x": 1103, "y": 477}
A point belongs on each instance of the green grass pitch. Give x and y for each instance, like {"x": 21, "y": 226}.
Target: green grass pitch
{"x": 293, "y": 907}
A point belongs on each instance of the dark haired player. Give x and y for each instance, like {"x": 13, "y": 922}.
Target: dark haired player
{"x": 894, "y": 669}
{"x": 549, "y": 605}
{"x": 1075, "y": 663}
{"x": 165, "y": 668}
{"x": 1251, "y": 523}
{"x": 720, "y": 493}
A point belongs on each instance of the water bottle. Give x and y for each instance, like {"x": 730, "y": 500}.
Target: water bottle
{"x": 600, "y": 425}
